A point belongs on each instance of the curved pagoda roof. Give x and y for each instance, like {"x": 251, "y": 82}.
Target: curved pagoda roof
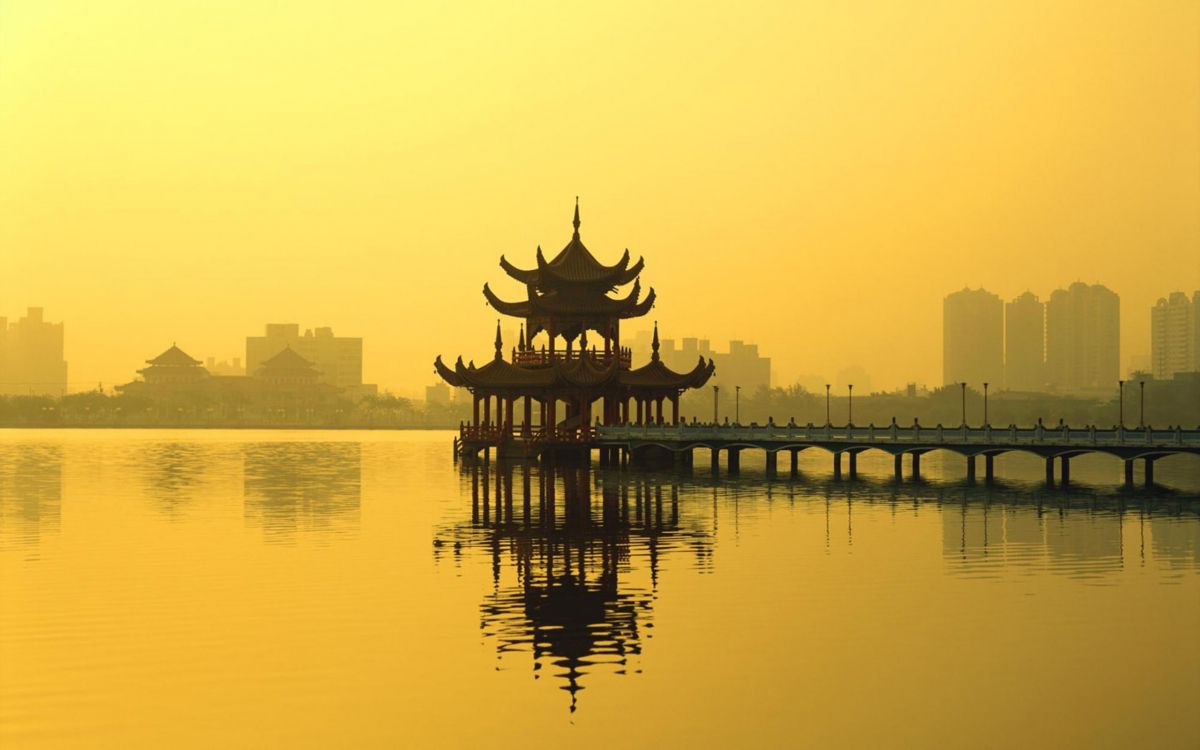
{"x": 585, "y": 370}
{"x": 173, "y": 357}
{"x": 574, "y": 266}
{"x": 574, "y": 303}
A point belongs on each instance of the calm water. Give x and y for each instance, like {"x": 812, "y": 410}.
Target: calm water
{"x": 331, "y": 589}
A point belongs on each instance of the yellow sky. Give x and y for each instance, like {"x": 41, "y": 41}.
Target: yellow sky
{"x": 814, "y": 177}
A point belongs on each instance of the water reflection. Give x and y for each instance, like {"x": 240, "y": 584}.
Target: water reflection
{"x": 30, "y": 494}
{"x": 173, "y": 474}
{"x": 576, "y": 559}
{"x": 302, "y": 488}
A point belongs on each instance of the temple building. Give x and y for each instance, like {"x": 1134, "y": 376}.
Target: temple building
{"x": 579, "y": 384}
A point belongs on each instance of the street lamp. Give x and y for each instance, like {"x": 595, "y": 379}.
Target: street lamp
{"x": 1142, "y": 404}
{"x": 985, "y": 419}
{"x": 964, "y": 403}
{"x": 737, "y": 404}
{"x": 827, "y": 403}
{"x": 716, "y": 390}
{"x": 1121, "y": 400}
{"x": 850, "y": 407}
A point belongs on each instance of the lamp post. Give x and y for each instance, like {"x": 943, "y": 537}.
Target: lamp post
{"x": 716, "y": 390}
{"x": 850, "y": 407}
{"x": 1121, "y": 401}
{"x": 1142, "y": 403}
{"x": 827, "y": 403}
{"x": 964, "y": 402}
{"x": 985, "y": 419}
{"x": 737, "y": 404}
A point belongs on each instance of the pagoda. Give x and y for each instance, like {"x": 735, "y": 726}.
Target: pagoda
{"x": 576, "y": 383}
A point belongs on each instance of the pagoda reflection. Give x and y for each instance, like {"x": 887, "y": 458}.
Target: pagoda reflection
{"x": 575, "y": 557}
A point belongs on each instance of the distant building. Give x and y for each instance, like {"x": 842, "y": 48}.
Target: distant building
{"x": 1175, "y": 335}
{"x": 173, "y": 367}
{"x": 1083, "y": 338}
{"x": 972, "y": 338}
{"x": 741, "y": 366}
{"x": 175, "y": 374}
{"x": 231, "y": 367}
{"x": 337, "y": 359}
{"x": 1025, "y": 343}
{"x": 31, "y": 356}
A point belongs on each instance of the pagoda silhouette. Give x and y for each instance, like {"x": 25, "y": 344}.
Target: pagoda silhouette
{"x": 567, "y": 298}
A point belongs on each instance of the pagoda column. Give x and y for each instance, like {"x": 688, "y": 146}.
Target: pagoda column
{"x": 675, "y": 409}
{"x": 658, "y": 418}
{"x": 528, "y": 416}
{"x": 508, "y": 412}
{"x": 542, "y": 412}
{"x": 639, "y": 410}
{"x": 487, "y": 411}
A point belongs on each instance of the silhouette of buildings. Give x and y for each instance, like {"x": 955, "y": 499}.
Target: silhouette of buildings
{"x": 972, "y": 338}
{"x": 337, "y": 359}
{"x": 1175, "y": 335}
{"x": 232, "y": 367}
{"x": 1025, "y": 343}
{"x": 567, "y": 297}
{"x": 176, "y": 375}
{"x": 31, "y": 356}
{"x": 1083, "y": 338}
{"x": 741, "y": 365}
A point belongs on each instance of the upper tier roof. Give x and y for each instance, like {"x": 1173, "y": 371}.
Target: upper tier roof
{"x": 574, "y": 265}
{"x": 574, "y": 303}
{"x": 173, "y": 357}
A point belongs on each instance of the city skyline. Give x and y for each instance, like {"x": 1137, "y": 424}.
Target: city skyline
{"x": 793, "y": 190}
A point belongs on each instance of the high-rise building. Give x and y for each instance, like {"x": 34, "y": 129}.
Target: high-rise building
{"x": 972, "y": 338}
{"x": 1083, "y": 338}
{"x": 338, "y": 359}
{"x": 1175, "y": 335}
{"x": 31, "y": 356}
{"x": 1024, "y": 343}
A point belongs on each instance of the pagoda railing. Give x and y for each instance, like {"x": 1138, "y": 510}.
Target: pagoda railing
{"x": 497, "y": 434}
{"x": 623, "y": 355}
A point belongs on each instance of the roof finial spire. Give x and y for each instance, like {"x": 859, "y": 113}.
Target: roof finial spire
{"x": 521, "y": 338}
{"x": 654, "y": 343}
{"x": 499, "y": 342}
{"x": 575, "y": 222}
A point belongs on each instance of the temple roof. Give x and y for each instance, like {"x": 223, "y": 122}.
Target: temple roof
{"x": 289, "y": 360}
{"x": 173, "y": 357}
{"x": 573, "y": 266}
{"x": 584, "y": 371}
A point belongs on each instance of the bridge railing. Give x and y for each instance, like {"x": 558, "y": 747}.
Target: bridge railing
{"x": 989, "y": 435}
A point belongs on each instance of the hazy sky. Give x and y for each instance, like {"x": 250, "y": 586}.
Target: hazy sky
{"x": 813, "y": 177}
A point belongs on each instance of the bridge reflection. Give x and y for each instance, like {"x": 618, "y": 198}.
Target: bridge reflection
{"x": 575, "y": 558}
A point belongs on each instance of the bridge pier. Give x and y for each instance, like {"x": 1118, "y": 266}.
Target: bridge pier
{"x": 1066, "y": 471}
{"x": 734, "y": 461}
{"x": 1049, "y": 472}
{"x": 687, "y": 458}
{"x": 970, "y": 470}
{"x": 837, "y": 466}
{"x": 899, "y": 460}
{"x": 1129, "y": 473}
{"x": 916, "y": 465}
{"x": 853, "y": 464}
{"x": 1149, "y": 472}
{"x": 795, "y": 462}
{"x": 989, "y": 469}
{"x": 772, "y": 464}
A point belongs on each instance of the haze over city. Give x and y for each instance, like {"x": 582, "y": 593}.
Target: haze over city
{"x": 814, "y": 180}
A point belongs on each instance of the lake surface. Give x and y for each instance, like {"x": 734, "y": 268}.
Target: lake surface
{"x": 236, "y": 588}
